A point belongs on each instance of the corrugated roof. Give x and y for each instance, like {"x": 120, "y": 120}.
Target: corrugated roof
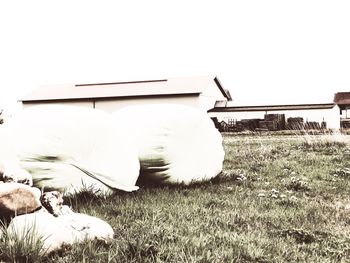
{"x": 342, "y": 98}
{"x": 273, "y": 107}
{"x": 161, "y": 87}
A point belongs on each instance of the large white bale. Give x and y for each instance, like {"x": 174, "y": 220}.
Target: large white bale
{"x": 177, "y": 144}
{"x": 69, "y": 149}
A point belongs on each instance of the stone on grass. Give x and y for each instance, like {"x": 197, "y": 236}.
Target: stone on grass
{"x": 62, "y": 231}
{"x": 53, "y": 202}
{"x": 18, "y": 199}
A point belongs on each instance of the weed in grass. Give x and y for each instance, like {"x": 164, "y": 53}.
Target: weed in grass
{"x": 300, "y": 235}
{"x": 88, "y": 251}
{"x": 328, "y": 147}
{"x": 141, "y": 251}
{"x": 297, "y": 184}
{"x": 336, "y": 249}
{"x": 288, "y": 203}
{"x": 23, "y": 246}
{"x": 342, "y": 172}
{"x": 217, "y": 203}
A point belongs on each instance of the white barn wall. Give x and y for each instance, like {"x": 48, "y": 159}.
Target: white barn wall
{"x": 207, "y": 103}
{"x": 209, "y": 96}
{"x": 113, "y": 105}
{"x": 87, "y": 104}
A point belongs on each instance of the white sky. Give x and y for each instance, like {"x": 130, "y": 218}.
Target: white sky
{"x": 264, "y": 52}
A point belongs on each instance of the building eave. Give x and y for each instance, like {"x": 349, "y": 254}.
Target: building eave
{"x": 273, "y": 107}
{"x": 109, "y": 98}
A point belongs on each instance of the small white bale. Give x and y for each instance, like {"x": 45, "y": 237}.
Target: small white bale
{"x": 177, "y": 144}
{"x": 56, "y": 232}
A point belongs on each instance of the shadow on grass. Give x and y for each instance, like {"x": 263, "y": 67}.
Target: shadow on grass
{"x": 223, "y": 177}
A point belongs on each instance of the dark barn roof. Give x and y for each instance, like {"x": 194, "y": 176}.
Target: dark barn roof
{"x": 342, "y": 98}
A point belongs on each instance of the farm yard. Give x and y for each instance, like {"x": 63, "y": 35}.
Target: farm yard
{"x": 282, "y": 198}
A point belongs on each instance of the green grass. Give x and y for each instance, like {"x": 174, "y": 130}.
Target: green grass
{"x": 24, "y": 246}
{"x": 278, "y": 199}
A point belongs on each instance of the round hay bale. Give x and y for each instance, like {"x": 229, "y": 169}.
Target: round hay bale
{"x": 71, "y": 149}
{"x": 177, "y": 144}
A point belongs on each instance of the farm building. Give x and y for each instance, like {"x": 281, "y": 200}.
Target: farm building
{"x": 342, "y": 99}
{"x": 278, "y": 117}
{"x": 199, "y": 92}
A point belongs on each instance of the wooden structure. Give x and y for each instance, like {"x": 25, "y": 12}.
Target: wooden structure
{"x": 280, "y": 117}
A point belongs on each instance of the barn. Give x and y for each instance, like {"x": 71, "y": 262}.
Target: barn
{"x": 200, "y": 92}
{"x": 342, "y": 99}
{"x": 279, "y": 117}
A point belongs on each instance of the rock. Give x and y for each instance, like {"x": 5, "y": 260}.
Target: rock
{"x": 53, "y": 202}
{"x": 58, "y": 232}
{"x": 17, "y": 175}
{"x": 18, "y": 199}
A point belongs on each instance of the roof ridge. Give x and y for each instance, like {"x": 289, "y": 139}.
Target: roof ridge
{"x": 121, "y": 82}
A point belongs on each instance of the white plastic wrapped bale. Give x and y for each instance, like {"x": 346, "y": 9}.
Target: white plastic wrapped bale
{"x": 58, "y": 232}
{"x": 70, "y": 149}
{"x": 177, "y": 144}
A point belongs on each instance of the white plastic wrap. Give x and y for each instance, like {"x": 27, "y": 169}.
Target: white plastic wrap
{"x": 70, "y": 148}
{"x": 177, "y": 144}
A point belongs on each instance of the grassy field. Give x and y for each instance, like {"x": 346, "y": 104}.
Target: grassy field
{"x": 278, "y": 199}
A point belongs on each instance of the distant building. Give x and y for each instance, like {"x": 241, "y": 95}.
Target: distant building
{"x": 278, "y": 117}
{"x": 342, "y": 99}
{"x": 199, "y": 92}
